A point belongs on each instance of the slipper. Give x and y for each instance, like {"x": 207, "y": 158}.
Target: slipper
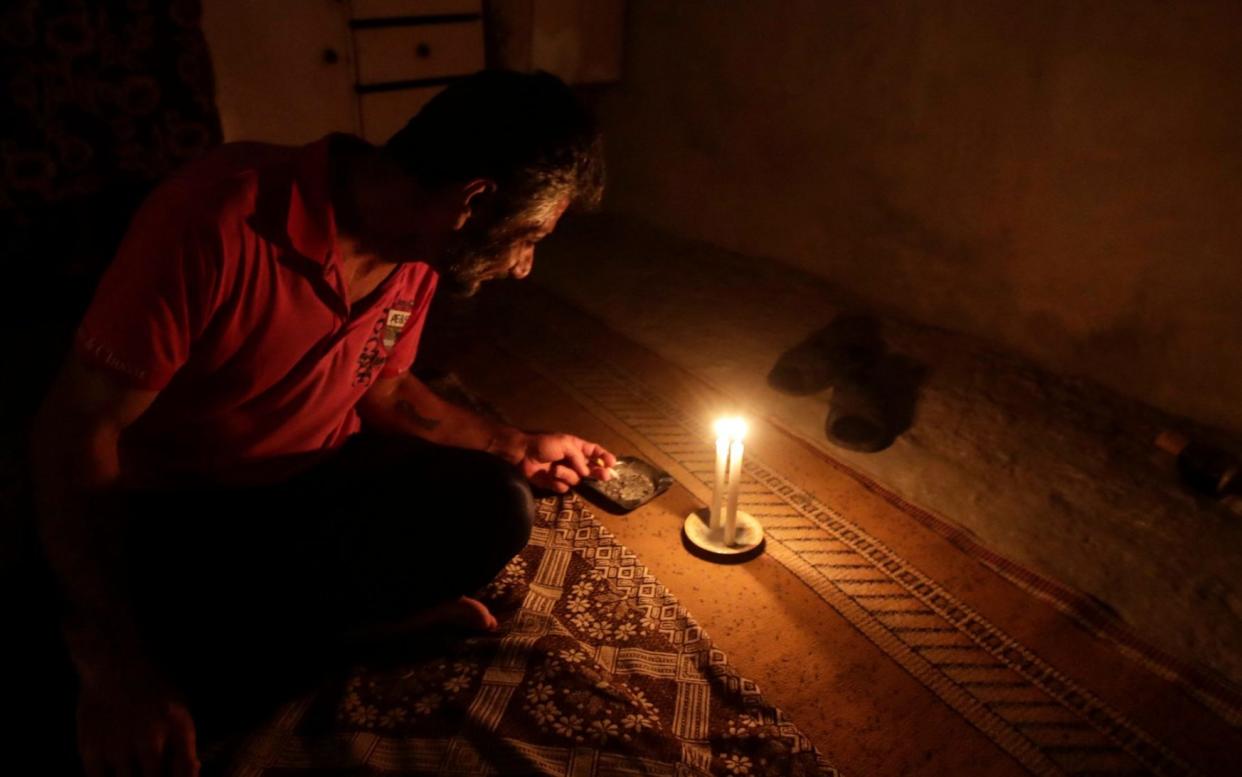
{"x": 849, "y": 347}
{"x": 858, "y": 419}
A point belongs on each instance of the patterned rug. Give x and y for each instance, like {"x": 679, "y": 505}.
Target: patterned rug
{"x": 596, "y": 670}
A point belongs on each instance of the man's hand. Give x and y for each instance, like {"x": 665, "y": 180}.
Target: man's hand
{"x": 130, "y": 724}
{"x": 145, "y": 732}
{"x": 558, "y": 462}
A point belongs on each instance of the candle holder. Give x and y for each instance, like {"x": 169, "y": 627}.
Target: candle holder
{"x": 725, "y": 532}
{"x": 704, "y": 541}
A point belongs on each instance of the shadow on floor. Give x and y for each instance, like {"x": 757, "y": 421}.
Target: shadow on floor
{"x": 874, "y": 390}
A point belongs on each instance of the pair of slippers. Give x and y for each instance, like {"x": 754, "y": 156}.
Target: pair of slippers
{"x": 850, "y": 357}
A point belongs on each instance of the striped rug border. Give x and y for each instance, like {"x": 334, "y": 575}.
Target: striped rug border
{"x": 1213, "y": 691}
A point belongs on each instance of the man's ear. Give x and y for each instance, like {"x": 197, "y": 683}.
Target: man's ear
{"x": 472, "y": 195}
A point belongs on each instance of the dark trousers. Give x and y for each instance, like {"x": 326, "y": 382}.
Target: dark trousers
{"x": 246, "y": 590}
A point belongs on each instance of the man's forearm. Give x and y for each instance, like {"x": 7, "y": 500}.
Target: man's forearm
{"x": 408, "y": 406}
{"x": 83, "y": 549}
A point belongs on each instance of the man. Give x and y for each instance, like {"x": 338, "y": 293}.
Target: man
{"x": 236, "y": 466}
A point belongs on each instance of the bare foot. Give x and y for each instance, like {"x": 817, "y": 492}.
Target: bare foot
{"x": 462, "y": 612}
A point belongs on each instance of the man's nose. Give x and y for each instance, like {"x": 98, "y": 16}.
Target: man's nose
{"x": 524, "y": 264}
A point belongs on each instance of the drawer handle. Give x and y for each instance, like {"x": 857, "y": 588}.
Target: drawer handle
{"x": 330, "y": 57}
{"x": 422, "y": 51}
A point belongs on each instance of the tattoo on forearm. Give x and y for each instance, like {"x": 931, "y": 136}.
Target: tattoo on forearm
{"x": 422, "y": 422}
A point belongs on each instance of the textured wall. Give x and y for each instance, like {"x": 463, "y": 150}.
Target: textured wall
{"x": 1064, "y": 178}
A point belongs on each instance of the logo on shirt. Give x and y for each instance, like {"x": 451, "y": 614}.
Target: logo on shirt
{"x": 385, "y": 332}
{"x": 393, "y": 324}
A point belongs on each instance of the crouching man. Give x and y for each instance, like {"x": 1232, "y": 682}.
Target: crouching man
{"x": 236, "y": 464}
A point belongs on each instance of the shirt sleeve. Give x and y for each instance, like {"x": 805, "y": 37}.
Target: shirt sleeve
{"x": 155, "y": 298}
{"x": 401, "y": 357}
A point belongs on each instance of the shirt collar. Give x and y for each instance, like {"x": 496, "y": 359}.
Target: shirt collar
{"x": 310, "y": 223}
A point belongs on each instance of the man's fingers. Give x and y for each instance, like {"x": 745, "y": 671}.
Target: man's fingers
{"x": 549, "y": 481}
{"x": 545, "y": 480}
{"x": 600, "y": 452}
{"x": 577, "y": 457}
{"x": 565, "y": 474}
{"x": 561, "y": 461}
{"x": 599, "y": 471}
{"x": 601, "y": 461}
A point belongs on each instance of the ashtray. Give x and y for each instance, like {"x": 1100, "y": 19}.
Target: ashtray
{"x": 635, "y": 483}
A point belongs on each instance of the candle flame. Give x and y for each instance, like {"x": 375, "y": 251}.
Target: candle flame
{"x": 733, "y": 428}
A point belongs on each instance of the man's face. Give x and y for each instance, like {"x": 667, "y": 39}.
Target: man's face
{"x": 480, "y": 252}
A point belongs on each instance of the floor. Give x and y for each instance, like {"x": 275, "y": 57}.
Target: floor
{"x": 894, "y": 649}
{"x": 1054, "y": 474}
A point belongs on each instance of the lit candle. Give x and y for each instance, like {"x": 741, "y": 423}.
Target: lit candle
{"x": 735, "y": 479}
{"x": 723, "y": 427}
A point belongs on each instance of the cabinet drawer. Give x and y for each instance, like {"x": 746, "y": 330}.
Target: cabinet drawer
{"x": 381, "y": 9}
{"x": 419, "y": 51}
{"x": 383, "y": 113}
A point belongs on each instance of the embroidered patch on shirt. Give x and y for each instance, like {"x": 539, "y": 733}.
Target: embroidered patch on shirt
{"x": 396, "y": 321}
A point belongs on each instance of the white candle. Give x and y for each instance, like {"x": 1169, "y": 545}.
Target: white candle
{"x": 735, "y": 480}
{"x": 722, "y": 456}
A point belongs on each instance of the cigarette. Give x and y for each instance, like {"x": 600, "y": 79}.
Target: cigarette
{"x": 598, "y": 462}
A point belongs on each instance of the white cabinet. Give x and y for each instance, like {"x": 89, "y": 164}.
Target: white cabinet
{"x": 406, "y": 51}
{"x": 284, "y": 72}
{"x": 419, "y": 52}
{"x": 291, "y": 71}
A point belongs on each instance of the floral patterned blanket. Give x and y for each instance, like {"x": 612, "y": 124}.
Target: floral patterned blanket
{"x": 596, "y": 670}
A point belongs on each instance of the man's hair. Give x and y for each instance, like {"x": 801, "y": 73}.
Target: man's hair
{"x": 527, "y": 132}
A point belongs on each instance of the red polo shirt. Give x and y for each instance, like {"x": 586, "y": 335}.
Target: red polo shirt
{"x": 227, "y": 296}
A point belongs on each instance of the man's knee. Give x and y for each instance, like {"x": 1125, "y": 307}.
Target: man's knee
{"x": 511, "y": 508}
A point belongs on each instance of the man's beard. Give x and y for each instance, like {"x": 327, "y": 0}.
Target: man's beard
{"x": 462, "y": 275}
{"x": 475, "y": 255}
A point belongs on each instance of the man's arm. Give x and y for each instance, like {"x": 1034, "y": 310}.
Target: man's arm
{"x": 405, "y": 405}
{"x": 75, "y": 464}
{"x": 127, "y": 714}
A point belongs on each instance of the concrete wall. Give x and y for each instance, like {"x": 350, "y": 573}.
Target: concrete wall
{"x": 1062, "y": 177}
